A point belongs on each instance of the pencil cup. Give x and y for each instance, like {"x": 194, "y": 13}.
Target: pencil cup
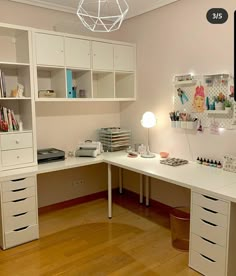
{"x": 173, "y": 123}
{"x": 183, "y": 124}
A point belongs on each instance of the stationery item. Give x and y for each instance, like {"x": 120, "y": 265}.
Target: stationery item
{"x": 69, "y": 83}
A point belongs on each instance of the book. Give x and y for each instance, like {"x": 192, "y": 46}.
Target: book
{"x": 4, "y": 91}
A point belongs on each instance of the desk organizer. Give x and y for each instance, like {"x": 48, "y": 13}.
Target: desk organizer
{"x": 114, "y": 138}
{"x": 184, "y": 124}
{"x": 174, "y": 162}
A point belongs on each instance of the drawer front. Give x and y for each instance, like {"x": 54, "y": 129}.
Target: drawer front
{"x": 18, "y": 183}
{"x": 16, "y": 141}
{"x": 18, "y": 194}
{"x": 21, "y": 220}
{"x": 208, "y": 231}
{"x": 210, "y": 203}
{"x": 17, "y": 157}
{"x": 18, "y": 207}
{"x": 209, "y": 215}
{"x": 204, "y": 265}
{"x": 20, "y": 236}
{"x": 211, "y": 250}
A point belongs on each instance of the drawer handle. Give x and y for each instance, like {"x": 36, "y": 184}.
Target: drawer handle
{"x": 18, "y": 190}
{"x": 209, "y": 259}
{"x": 210, "y": 223}
{"x": 17, "y": 141}
{"x": 211, "y": 198}
{"x": 19, "y": 179}
{"x": 208, "y": 240}
{"x": 18, "y": 200}
{"x": 208, "y": 210}
{"x": 20, "y": 229}
{"x": 21, "y": 214}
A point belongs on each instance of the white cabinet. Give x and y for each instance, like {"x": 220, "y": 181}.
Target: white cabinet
{"x": 209, "y": 235}
{"x": 77, "y": 53}
{"x": 102, "y": 56}
{"x": 17, "y": 145}
{"x": 49, "y": 49}
{"x": 19, "y": 211}
{"x": 124, "y": 58}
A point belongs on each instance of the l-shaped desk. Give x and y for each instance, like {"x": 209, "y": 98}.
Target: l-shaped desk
{"x": 213, "y": 203}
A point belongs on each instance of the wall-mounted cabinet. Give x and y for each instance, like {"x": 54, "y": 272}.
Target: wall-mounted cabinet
{"x": 78, "y": 68}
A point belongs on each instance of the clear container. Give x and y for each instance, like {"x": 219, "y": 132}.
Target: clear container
{"x": 180, "y": 227}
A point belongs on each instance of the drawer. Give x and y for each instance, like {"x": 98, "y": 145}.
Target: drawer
{"x": 20, "y": 220}
{"x": 20, "y": 236}
{"x": 19, "y": 206}
{"x": 205, "y": 266}
{"x": 211, "y": 250}
{"x": 209, "y": 215}
{"x": 18, "y": 183}
{"x": 18, "y": 194}
{"x": 209, "y": 231}
{"x": 211, "y": 203}
{"x": 17, "y": 157}
{"x": 16, "y": 141}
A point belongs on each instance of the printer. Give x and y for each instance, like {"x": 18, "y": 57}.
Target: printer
{"x": 88, "y": 149}
{"x": 50, "y": 155}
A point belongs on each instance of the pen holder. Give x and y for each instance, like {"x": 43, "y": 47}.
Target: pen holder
{"x": 173, "y": 123}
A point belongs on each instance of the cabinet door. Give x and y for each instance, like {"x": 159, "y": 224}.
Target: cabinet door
{"x": 49, "y": 49}
{"x": 102, "y": 56}
{"x": 77, "y": 53}
{"x": 124, "y": 58}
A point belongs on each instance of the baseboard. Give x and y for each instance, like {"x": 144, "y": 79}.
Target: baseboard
{"x": 72, "y": 202}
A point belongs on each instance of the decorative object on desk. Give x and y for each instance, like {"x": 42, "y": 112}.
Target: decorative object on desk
{"x": 114, "y": 138}
{"x": 148, "y": 120}
{"x": 219, "y": 101}
{"x": 102, "y": 15}
{"x": 199, "y": 99}
{"x": 229, "y": 163}
{"x": 228, "y": 104}
{"x": 164, "y": 154}
{"x": 47, "y": 94}
{"x": 18, "y": 91}
{"x": 132, "y": 154}
{"x": 182, "y": 95}
{"x": 174, "y": 162}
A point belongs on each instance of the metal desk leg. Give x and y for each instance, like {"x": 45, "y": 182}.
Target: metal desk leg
{"x": 120, "y": 180}
{"x": 109, "y": 188}
{"x": 147, "y": 190}
{"x": 140, "y": 188}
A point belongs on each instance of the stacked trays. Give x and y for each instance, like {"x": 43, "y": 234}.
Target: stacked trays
{"x": 19, "y": 211}
{"x": 114, "y": 139}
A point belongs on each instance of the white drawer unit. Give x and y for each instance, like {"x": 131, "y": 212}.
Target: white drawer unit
{"x": 209, "y": 234}
{"x": 19, "y": 212}
{"x": 17, "y": 157}
{"x": 16, "y": 141}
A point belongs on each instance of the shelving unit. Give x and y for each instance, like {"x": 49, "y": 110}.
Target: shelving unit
{"x": 103, "y": 85}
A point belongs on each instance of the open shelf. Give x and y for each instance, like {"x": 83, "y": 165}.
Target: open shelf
{"x": 103, "y": 84}
{"x": 82, "y": 80}
{"x": 124, "y": 85}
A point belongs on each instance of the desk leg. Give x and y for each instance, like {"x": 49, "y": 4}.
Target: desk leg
{"x": 141, "y": 189}
{"x": 109, "y": 188}
{"x": 120, "y": 180}
{"x": 147, "y": 190}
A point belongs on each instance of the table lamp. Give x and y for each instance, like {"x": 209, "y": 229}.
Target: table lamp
{"x": 148, "y": 120}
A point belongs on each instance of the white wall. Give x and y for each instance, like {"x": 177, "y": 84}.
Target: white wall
{"x": 176, "y": 39}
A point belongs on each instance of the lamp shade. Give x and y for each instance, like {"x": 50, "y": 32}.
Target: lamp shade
{"x": 148, "y": 120}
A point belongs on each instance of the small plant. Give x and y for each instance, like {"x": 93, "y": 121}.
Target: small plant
{"x": 228, "y": 103}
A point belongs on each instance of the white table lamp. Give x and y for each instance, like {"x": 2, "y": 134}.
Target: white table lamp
{"x": 148, "y": 120}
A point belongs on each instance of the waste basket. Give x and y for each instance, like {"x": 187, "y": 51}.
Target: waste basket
{"x": 180, "y": 227}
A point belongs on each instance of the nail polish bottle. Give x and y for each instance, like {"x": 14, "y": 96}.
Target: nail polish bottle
{"x": 219, "y": 165}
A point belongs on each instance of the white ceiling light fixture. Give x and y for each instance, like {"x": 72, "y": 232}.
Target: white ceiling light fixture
{"x": 102, "y": 15}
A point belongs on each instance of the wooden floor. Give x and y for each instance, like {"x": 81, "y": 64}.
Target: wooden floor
{"x": 80, "y": 240}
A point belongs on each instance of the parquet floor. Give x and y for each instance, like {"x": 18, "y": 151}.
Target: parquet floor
{"x": 80, "y": 240}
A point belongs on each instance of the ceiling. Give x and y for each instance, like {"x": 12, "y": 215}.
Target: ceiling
{"x": 136, "y": 7}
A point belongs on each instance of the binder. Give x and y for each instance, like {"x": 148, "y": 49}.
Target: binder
{"x": 69, "y": 83}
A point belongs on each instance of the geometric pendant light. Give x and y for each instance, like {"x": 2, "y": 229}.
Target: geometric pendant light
{"x": 102, "y": 15}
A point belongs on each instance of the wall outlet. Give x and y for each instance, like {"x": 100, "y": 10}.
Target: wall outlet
{"x": 77, "y": 183}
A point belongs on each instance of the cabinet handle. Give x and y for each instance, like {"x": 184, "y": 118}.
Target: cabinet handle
{"x": 21, "y": 214}
{"x": 18, "y": 190}
{"x": 209, "y": 259}
{"x": 18, "y": 200}
{"x": 22, "y": 228}
{"x": 17, "y": 141}
{"x": 208, "y": 240}
{"x": 19, "y": 179}
{"x": 210, "y": 223}
{"x": 211, "y": 198}
{"x": 208, "y": 210}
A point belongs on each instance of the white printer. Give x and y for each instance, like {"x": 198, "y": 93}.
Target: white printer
{"x": 88, "y": 148}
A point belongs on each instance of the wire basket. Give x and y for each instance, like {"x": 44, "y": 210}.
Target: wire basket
{"x": 114, "y": 138}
